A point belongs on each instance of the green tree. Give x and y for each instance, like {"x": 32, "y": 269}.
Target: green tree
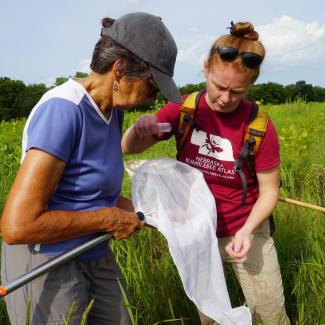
{"x": 81, "y": 74}
{"x": 268, "y": 93}
{"x": 28, "y": 99}
{"x": 304, "y": 91}
{"x": 191, "y": 88}
{"x": 255, "y": 93}
{"x": 10, "y": 90}
{"x": 60, "y": 80}
{"x": 291, "y": 94}
{"x": 319, "y": 94}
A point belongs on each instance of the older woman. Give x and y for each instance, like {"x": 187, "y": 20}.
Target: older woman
{"x": 67, "y": 189}
{"x": 222, "y": 117}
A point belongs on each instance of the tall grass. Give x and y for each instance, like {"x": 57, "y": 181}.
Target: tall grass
{"x": 300, "y": 238}
{"x": 10, "y": 149}
{"x": 156, "y": 290}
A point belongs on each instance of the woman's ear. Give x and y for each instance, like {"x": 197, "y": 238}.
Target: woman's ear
{"x": 206, "y": 68}
{"x": 117, "y": 69}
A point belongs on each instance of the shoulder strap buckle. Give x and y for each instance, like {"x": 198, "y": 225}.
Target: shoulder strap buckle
{"x": 187, "y": 119}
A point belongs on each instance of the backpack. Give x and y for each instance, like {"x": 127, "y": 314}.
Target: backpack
{"x": 254, "y": 134}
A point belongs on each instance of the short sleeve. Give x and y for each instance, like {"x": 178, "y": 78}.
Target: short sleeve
{"x": 169, "y": 113}
{"x": 55, "y": 127}
{"x": 268, "y": 155}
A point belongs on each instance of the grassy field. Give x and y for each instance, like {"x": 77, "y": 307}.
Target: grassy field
{"x": 156, "y": 290}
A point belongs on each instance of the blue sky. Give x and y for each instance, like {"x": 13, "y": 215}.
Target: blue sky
{"x": 44, "y": 39}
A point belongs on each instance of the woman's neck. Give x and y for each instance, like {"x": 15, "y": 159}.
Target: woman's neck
{"x": 100, "y": 88}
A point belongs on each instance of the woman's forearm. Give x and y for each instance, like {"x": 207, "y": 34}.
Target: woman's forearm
{"x": 268, "y": 183}
{"x": 133, "y": 143}
{"x": 54, "y": 226}
{"x": 262, "y": 210}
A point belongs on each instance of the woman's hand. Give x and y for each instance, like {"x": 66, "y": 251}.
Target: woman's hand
{"x": 121, "y": 223}
{"x": 146, "y": 125}
{"x": 268, "y": 185}
{"x": 240, "y": 244}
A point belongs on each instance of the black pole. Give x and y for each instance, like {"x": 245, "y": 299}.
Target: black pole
{"x": 55, "y": 262}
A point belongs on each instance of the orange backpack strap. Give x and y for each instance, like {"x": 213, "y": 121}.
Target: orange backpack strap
{"x": 186, "y": 120}
{"x": 257, "y": 126}
{"x": 255, "y": 132}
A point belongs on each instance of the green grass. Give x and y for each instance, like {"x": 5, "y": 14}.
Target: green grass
{"x": 156, "y": 290}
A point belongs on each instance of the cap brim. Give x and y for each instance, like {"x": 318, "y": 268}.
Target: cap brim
{"x": 166, "y": 85}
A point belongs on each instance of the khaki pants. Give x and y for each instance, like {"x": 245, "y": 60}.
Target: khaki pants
{"x": 52, "y": 295}
{"x": 259, "y": 277}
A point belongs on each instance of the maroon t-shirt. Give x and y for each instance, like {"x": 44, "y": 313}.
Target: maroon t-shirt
{"x": 213, "y": 149}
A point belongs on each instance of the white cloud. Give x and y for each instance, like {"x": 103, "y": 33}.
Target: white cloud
{"x": 288, "y": 41}
{"x": 84, "y": 66}
{"x": 291, "y": 41}
{"x": 196, "y": 50}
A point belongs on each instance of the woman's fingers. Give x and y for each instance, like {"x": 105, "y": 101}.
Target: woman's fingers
{"x": 146, "y": 125}
{"x": 124, "y": 224}
{"x": 238, "y": 248}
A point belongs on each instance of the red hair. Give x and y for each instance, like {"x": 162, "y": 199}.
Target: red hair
{"x": 244, "y": 38}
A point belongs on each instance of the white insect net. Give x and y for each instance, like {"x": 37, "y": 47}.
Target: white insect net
{"x": 175, "y": 199}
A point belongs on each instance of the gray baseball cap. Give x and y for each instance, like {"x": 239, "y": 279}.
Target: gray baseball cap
{"x": 147, "y": 37}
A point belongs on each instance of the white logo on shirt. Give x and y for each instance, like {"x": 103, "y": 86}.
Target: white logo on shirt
{"x": 213, "y": 146}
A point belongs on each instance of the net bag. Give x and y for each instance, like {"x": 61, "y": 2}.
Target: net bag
{"x": 175, "y": 199}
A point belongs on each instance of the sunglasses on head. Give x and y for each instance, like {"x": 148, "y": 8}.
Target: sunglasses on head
{"x": 227, "y": 53}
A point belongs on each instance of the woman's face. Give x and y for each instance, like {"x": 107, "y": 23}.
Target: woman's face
{"x": 226, "y": 87}
{"x": 134, "y": 92}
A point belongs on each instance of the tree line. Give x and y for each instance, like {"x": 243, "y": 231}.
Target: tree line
{"x": 17, "y": 99}
{"x": 274, "y": 93}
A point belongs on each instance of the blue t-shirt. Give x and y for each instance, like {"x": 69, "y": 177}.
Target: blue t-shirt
{"x": 68, "y": 124}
